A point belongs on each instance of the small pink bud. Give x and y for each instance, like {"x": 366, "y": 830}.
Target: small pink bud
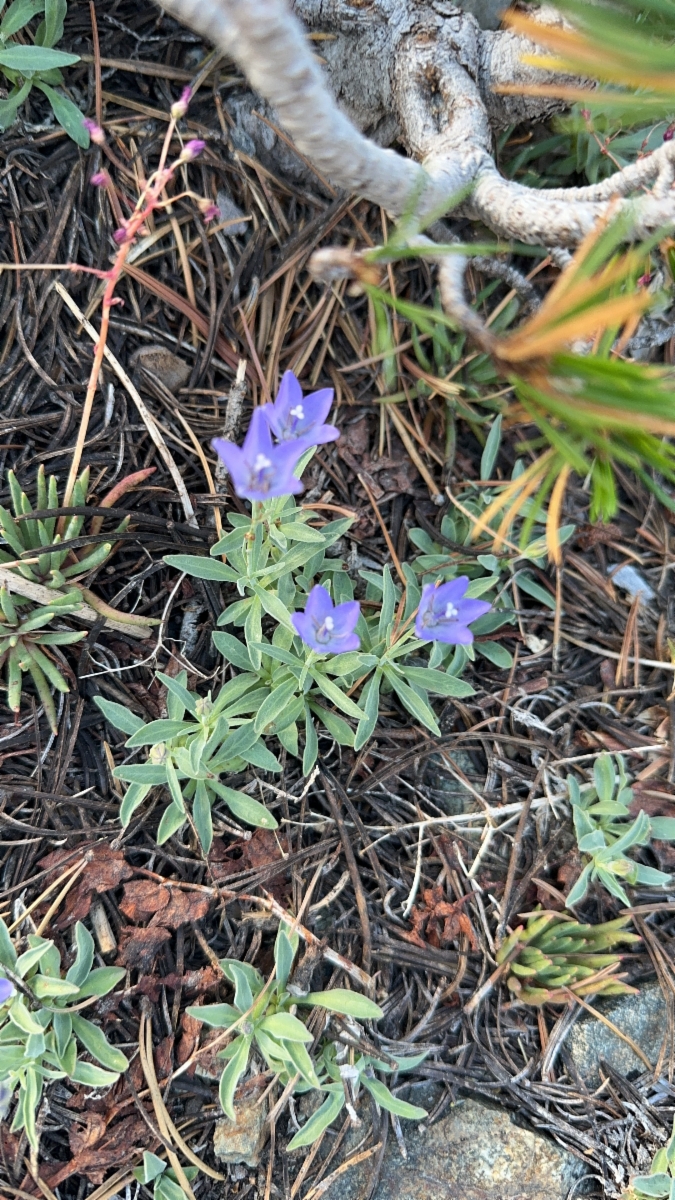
{"x": 180, "y": 108}
{"x": 644, "y": 280}
{"x": 668, "y": 135}
{"x": 586, "y": 114}
{"x": 100, "y": 180}
{"x": 119, "y": 236}
{"x": 191, "y": 150}
{"x": 95, "y": 132}
{"x": 208, "y": 210}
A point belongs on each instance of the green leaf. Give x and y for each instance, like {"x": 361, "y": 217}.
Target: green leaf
{"x": 603, "y": 776}
{"x": 260, "y": 756}
{"x": 134, "y": 795}
{"x": 200, "y": 567}
{"x": 388, "y": 604}
{"x": 370, "y": 701}
{"x": 336, "y": 697}
{"x": 100, "y": 981}
{"x": 652, "y": 1185}
{"x": 201, "y": 814}
{"x": 299, "y": 1056}
{"x": 243, "y": 995}
{"x": 69, "y": 118}
{"x": 414, "y": 703}
{"x": 437, "y": 681}
{"x": 289, "y": 1029}
{"x": 50, "y": 31}
{"x": 311, "y": 751}
{"x": 173, "y": 818}
{"x": 232, "y": 1074}
{"x": 220, "y": 1016}
{"x": 94, "y": 1040}
{"x": 273, "y": 606}
{"x": 9, "y": 107}
{"x": 45, "y": 987}
{"x": 351, "y": 1004}
{"x": 495, "y": 653}
{"x": 159, "y": 731}
{"x": 283, "y": 957}
{"x": 8, "y": 954}
{"x": 232, "y": 650}
{"x": 92, "y": 1076}
{"x": 26, "y": 59}
{"x": 152, "y": 1167}
{"x": 274, "y": 704}
{"x": 29, "y": 958}
{"x": 302, "y": 533}
{"x": 244, "y": 807}
{"x": 19, "y": 14}
{"x": 663, "y": 828}
{"x": 336, "y": 726}
{"x": 400, "y": 1108}
{"x": 491, "y": 450}
{"x": 528, "y": 585}
{"x": 143, "y": 773}
{"x": 253, "y": 631}
{"x": 119, "y": 716}
{"x": 321, "y": 1119}
{"x": 179, "y": 691}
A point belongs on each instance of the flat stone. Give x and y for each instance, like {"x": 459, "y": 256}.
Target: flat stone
{"x": 173, "y": 371}
{"x": 242, "y": 1141}
{"x": 474, "y": 1153}
{"x": 642, "y": 1017}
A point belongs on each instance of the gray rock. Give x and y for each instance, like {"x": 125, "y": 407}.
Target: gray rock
{"x": 242, "y": 1141}
{"x": 642, "y": 1017}
{"x": 474, "y": 1153}
{"x": 450, "y": 793}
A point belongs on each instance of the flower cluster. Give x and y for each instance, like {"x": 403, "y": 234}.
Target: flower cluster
{"x": 263, "y": 469}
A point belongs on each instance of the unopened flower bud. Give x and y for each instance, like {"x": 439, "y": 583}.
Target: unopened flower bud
{"x": 95, "y": 132}
{"x": 100, "y": 179}
{"x": 180, "y": 107}
{"x": 203, "y": 706}
{"x": 208, "y": 209}
{"x": 191, "y": 150}
{"x": 158, "y": 754}
{"x": 644, "y": 280}
{"x": 668, "y": 135}
{"x": 119, "y": 236}
{"x": 586, "y": 114}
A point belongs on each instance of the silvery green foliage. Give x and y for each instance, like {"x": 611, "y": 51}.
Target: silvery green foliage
{"x": 165, "y": 1183}
{"x": 280, "y": 687}
{"x": 263, "y": 1019}
{"x": 42, "y": 1023}
{"x": 27, "y": 65}
{"x": 604, "y": 837}
{"x": 660, "y": 1182}
{"x": 200, "y": 740}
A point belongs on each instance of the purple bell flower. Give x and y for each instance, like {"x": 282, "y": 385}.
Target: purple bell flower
{"x": 325, "y": 627}
{"x": 444, "y": 615}
{"x": 293, "y": 417}
{"x": 6, "y": 990}
{"x": 259, "y": 469}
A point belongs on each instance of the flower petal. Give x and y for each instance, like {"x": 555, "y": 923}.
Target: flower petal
{"x": 345, "y": 617}
{"x": 471, "y": 610}
{"x": 317, "y": 406}
{"x": 319, "y": 604}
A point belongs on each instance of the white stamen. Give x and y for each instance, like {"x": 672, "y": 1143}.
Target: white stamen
{"x": 329, "y": 624}
{"x": 298, "y": 412}
{"x": 450, "y": 612}
{"x": 261, "y": 462}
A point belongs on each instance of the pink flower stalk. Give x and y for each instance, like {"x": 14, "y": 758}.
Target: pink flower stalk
{"x": 180, "y": 107}
{"x": 95, "y": 132}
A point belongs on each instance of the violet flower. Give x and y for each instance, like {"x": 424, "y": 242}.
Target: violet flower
{"x": 444, "y": 615}
{"x": 293, "y": 417}
{"x": 259, "y": 469}
{"x": 6, "y": 990}
{"x": 325, "y": 627}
